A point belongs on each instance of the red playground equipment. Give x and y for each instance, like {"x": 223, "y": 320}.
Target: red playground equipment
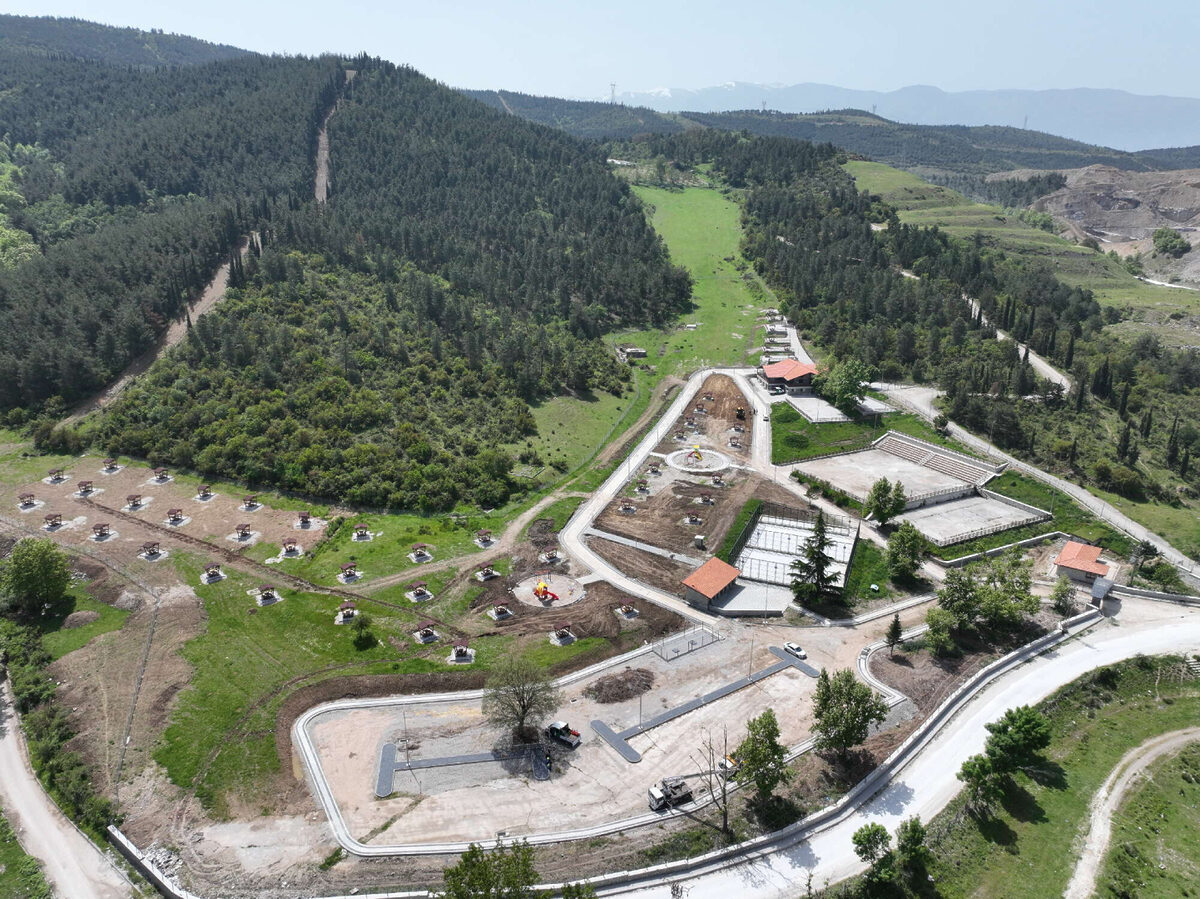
{"x": 542, "y": 592}
{"x": 693, "y": 456}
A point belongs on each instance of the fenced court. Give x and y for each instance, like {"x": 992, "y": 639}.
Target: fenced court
{"x": 778, "y": 537}
{"x": 676, "y": 645}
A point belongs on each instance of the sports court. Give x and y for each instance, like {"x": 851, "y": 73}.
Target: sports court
{"x": 969, "y": 517}
{"x": 778, "y": 539}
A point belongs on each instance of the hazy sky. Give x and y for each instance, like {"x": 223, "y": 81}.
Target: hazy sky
{"x": 575, "y": 49}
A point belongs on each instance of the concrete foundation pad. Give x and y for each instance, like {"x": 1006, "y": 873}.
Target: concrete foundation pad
{"x": 944, "y": 523}
{"x": 854, "y": 473}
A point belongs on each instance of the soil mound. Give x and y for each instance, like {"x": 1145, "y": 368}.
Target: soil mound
{"x": 620, "y": 687}
{"x": 80, "y": 618}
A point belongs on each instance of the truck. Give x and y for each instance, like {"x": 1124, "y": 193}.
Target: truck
{"x": 561, "y": 731}
{"x": 669, "y": 792}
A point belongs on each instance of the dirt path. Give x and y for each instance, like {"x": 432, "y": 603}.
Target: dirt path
{"x": 72, "y": 863}
{"x": 1107, "y": 800}
{"x": 213, "y": 294}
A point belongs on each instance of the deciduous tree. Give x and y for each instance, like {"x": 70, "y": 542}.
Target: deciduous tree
{"x": 843, "y": 711}
{"x": 519, "y": 696}
{"x": 906, "y": 546}
{"x": 761, "y": 756}
{"x": 35, "y": 576}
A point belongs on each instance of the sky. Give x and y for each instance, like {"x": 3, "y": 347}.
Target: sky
{"x": 572, "y": 49}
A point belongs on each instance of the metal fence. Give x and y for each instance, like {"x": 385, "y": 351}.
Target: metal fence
{"x": 676, "y": 645}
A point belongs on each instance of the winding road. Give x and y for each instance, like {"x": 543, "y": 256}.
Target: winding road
{"x": 73, "y": 864}
{"x": 1109, "y": 798}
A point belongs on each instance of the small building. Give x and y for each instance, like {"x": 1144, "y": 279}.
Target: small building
{"x": 150, "y": 548}
{"x": 418, "y": 589}
{"x": 133, "y": 500}
{"x": 562, "y": 634}
{"x": 174, "y": 516}
{"x": 56, "y": 474}
{"x": 101, "y": 530}
{"x": 212, "y": 571}
{"x": 420, "y": 550}
{"x": 85, "y": 487}
{"x": 27, "y": 499}
{"x": 500, "y": 609}
{"x": 160, "y": 474}
{"x": 305, "y": 519}
{"x": 349, "y": 571}
{"x": 205, "y": 491}
{"x": 362, "y": 532}
{"x": 54, "y": 520}
{"x": 346, "y": 611}
{"x": 462, "y": 650}
{"x": 426, "y": 632}
{"x": 790, "y": 374}
{"x": 250, "y": 501}
{"x": 709, "y": 583}
{"x": 266, "y": 593}
{"x": 110, "y": 464}
{"x": 242, "y": 531}
{"x": 1080, "y": 562}
{"x": 289, "y": 546}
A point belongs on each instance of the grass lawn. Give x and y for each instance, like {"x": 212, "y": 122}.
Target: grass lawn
{"x": 1069, "y": 518}
{"x": 794, "y": 437}
{"x": 1157, "y": 824}
{"x": 20, "y": 875}
{"x": 560, "y": 511}
{"x": 922, "y": 203}
{"x": 1027, "y": 850}
{"x": 867, "y": 567}
{"x": 59, "y": 642}
{"x": 1178, "y": 524}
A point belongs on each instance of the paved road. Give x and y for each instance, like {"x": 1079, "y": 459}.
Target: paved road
{"x": 1109, "y": 799}
{"x": 1039, "y": 365}
{"x": 75, "y": 867}
{"x": 927, "y": 784}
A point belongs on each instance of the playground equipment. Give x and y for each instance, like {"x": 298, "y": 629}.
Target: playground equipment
{"x": 695, "y": 457}
{"x": 542, "y": 592}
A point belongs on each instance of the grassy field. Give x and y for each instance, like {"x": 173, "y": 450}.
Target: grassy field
{"x": 20, "y": 875}
{"x": 1069, "y": 517}
{"x": 1152, "y": 853}
{"x": 794, "y": 437}
{"x": 1027, "y": 849}
{"x": 59, "y": 642}
{"x": 922, "y": 203}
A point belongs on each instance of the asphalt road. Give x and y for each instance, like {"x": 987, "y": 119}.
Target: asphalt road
{"x": 75, "y": 867}
{"x": 927, "y": 783}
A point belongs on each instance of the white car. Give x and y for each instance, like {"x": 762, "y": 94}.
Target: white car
{"x": 794, "y": 649}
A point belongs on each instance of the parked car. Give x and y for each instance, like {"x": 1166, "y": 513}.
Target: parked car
{"x": 794, "y": 649}
{"x": 776, "y": 390}
{"x": 562, "y": 732}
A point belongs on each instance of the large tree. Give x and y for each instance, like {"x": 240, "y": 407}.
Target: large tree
{"x": 905, "y": 549}
{"x": 519, "y": 696}
{"x": 1016, "y": 740}
{"x": 35, "y": 576}
{"x": 506, "y": 872}
{"x": 845, "y": 385}
{"x": 843, "y": 711}
{"x": 812, "y": 578}
{"x": 761, "y": 756}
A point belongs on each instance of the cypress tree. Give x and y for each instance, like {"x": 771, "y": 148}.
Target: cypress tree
{"x": 1124, "y": 400}
{"x": 1123, "y": 444}
{"x": 1070, "y": 357}
{"x": 1147, "y": 422}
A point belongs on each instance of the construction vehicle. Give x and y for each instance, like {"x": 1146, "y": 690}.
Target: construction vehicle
{"x": 741, "y": 413}
{"x": 668, "y": 793}
{"x": 562, "y": 732}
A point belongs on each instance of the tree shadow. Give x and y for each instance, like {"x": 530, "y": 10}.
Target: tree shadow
{"x": 997, "y": 832}
{"x": 775, "y": 812}
{"x": 1022, "y": 806}
{"x": 1050, "y": 775}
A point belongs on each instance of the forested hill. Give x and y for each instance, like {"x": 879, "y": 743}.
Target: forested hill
{"x": 953, "y": 149}
{"x": 380, "y": 349}
{"x": 80, "y": 39}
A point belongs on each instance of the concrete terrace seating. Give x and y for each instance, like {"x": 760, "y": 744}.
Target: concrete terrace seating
{"x": 938, "y": 458}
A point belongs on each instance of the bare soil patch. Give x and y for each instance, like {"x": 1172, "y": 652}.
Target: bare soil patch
{"x": 80, "y": 618}
{"x": 663, "y": 574}
{"x": 620, "y": 687}
{"x": 714, "y": 426}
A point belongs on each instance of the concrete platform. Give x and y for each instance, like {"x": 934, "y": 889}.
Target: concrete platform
{"x": 953, "y": 521}
{"x": 854, "y": 473}
{"x": 814, "y": 408}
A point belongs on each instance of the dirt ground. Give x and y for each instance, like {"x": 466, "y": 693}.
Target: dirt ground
{"x": 212, "y": 520}
{"x": 714, "y": 427}
{"x": 655, "y": 571}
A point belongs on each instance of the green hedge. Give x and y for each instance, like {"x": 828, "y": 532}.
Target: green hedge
{"x": 732, "y": 543}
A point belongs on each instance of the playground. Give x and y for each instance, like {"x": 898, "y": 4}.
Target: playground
{"x": 548, "y": 590}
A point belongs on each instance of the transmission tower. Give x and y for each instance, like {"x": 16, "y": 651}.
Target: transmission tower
{"x": 612, "y": 92}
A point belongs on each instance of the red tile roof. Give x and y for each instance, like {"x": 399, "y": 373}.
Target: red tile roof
{"x": 789, "y": 369}
{"x": 711, "y": 578}
{"x": 1081, "y": 557}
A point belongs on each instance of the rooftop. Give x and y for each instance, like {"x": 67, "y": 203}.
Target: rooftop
{"x": 711, "y": 578}
{"x": 1081, "y": 557}
{"x": 789, "y": 369}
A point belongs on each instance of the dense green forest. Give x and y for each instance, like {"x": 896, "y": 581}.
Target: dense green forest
{"x": 382, "y": 348}
{"x": 973, "y": 150}
{"x": 52, "y": 36}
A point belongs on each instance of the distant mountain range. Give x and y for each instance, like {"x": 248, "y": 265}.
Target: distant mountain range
{"x": 1109, "y": 118}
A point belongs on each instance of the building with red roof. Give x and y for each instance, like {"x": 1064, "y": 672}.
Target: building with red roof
{"x": 709, "y": 582}
{"x": 1080, "y": 562}
{"x": 791, "y": 374}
